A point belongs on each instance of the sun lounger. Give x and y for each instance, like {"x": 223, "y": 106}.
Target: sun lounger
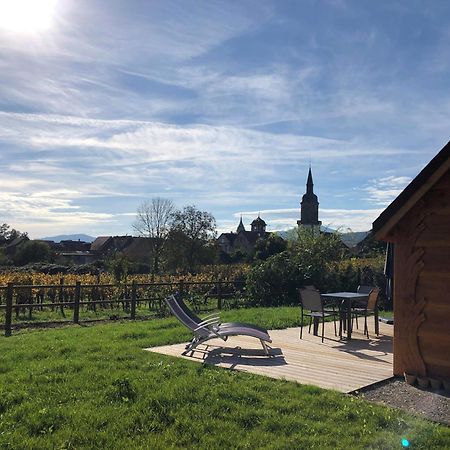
{"x": 211, "y": 328}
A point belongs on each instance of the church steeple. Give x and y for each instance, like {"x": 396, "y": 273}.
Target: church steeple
{"x": 309, "y": 183}
{"x": 240, "y": 226}
{"x": 309, "y": 206}
{"x": 258, "y": 225}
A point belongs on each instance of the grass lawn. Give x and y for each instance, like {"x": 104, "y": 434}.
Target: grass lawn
{"x": 94, "y": 387}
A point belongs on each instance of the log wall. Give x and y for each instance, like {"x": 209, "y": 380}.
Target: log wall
{"x": 422, "y": 285}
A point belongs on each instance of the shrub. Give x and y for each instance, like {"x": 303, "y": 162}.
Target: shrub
{"x": 33, "y": 251}
{"x": 311, "y": 259}
{"x": 274, "y": 282}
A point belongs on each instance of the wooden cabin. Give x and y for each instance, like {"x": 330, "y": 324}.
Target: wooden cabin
{"x": 417, "y": 222}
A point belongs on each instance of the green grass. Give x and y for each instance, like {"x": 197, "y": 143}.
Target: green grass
{"x": 94, "y": 387}
{"x": 104, "y": 312}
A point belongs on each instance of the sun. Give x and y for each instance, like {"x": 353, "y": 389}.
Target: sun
{"x": 26, "y": 16}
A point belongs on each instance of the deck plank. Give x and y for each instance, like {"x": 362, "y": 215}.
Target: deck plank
{"x": 333, "y": 364}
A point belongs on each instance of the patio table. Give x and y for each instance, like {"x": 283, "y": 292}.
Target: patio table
{"x": 349, "y": 298}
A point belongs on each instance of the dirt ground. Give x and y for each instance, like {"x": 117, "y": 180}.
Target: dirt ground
{"x": 426, "y": 403}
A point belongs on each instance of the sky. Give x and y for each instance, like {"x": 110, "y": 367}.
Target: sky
{"x": 219, "y": 104}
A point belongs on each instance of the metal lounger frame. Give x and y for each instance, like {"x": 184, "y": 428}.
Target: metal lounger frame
{"x": 211, "y": 328}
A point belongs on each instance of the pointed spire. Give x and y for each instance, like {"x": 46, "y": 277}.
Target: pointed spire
{"x": 240, "y": 226}
{"x": 309, "y": 182}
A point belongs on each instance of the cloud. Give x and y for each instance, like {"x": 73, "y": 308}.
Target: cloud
{"x": 77, "y": 164}
{"x": 339, "y": 219}
{"x": 382, "y": 191}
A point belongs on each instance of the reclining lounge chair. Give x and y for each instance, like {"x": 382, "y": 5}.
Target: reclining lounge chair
{"x": 211, "y": 328}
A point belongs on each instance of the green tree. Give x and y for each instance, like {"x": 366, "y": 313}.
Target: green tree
{"x": 271, "y": 246}
{"x": 118, "y": 265}
{"x": 33, "y": 251}
{"x": 8, "y": 234}
{"x": 274, "y": 282}
{"x": 371, "y": 247}
{"x": 192, "y": 238}
{"x": 315, "y": 252}
{"x": 310, "y": 259}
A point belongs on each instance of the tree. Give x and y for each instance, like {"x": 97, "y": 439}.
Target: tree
{"x": 7, "y": 234}
{"x": 192, "y": 235}
{"x": 271, "y": 246}
{"x": 118, "y": 265}
{"x": 274, "y": 282}
{"x": 310, "y": 259}
{"x": 154, "y": 219}
{"x": 33, "y": 251}
{"x": 315, "y": 251}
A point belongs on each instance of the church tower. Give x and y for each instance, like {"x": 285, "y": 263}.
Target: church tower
{"x": 240, "y": 227}
{"x": 259, "y": 226}
{"x": 309, "y": 207}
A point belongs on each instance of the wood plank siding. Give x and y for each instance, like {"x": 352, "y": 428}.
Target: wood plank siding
{"x": 422, "y": 285}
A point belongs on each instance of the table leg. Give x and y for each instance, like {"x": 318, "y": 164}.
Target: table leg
{"x": 377, "y": 322}
{"x": 316, "y": 322}
{"x": 342, "y": 320}
{"x": 349, "y": 318}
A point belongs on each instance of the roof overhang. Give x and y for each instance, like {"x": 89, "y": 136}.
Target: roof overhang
{"x": 415, "y": 190}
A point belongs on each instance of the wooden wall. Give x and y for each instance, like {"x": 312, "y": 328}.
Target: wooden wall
{"x": 422, "y": 285}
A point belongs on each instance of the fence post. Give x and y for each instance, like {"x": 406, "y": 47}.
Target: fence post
{"x": 219, "y": 294}
{"x": 76, "y": 304}
{"x": 133, "y": 299}
{"x": 30, "y": 301}
{"x": 8, "y": 312}
{"x": 61, "y": 295}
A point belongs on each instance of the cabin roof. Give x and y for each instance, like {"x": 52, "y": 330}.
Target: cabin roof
{"x": 415, "y": 190}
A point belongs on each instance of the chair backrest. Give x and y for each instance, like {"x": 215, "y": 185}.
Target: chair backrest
{"x": 181, "y": 315}
{"x": 186, "y": 310}
{"x": 373, "y": 298}
{"x": 364, "y": 289}
{"x": 310, "y": 299}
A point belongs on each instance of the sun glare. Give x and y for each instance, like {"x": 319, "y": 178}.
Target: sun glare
{"x": 26, "y": 16}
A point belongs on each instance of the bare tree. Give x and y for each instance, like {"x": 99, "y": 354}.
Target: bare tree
{"x": 153, "y": 220}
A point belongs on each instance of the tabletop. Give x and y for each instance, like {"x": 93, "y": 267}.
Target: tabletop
{"x": 346, "y": 295}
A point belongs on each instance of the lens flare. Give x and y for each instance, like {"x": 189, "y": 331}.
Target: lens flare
{"x": 26, "y": 16}
{"x": 405, "y": 443}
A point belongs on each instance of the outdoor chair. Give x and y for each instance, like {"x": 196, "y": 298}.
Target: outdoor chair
{"x": 211, "y": 328}
{"x": 369, "y": 309}
{"x": 362, "y": 289}
{"x": 312, "y": 301}
{"x": 328, "y": 308}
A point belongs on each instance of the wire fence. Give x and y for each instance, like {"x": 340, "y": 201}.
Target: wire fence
{"x": 52, "y": 304}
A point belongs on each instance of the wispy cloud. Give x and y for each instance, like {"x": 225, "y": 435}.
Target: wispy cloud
{"x": 220, "y": 104}
{"x": 381, "y": 191}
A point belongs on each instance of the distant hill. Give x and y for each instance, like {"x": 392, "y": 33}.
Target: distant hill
{"x": 350, "y": 239}
{"x": 70, "y": 237}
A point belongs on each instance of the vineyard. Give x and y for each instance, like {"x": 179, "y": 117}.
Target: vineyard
{"x": 208, "y": 273}
{"x": 37, "y": 299}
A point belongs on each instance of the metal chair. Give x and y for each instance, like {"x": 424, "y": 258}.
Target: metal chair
{"x": 312, "y": 301}
{"x": 369, "y": 309}
{"x": 362, "y": 289}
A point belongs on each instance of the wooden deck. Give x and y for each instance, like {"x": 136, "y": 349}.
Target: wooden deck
{"x": 340, "y": 365}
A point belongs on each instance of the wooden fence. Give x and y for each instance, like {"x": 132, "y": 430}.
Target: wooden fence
{"x": 28, "y": 300}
